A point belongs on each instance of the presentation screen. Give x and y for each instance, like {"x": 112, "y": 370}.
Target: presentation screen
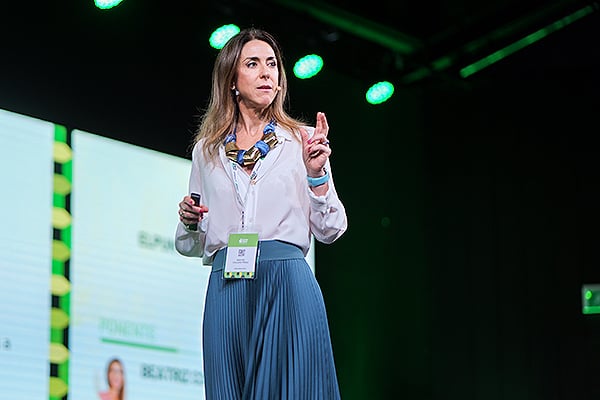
{"x": 92, "y": 291}
{"x": 134, "y": 299}
{"x": 26, "y": 169}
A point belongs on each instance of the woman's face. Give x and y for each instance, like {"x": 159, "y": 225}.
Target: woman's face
{"x": 115, "y": 375}
{"x": 257, "y": 75}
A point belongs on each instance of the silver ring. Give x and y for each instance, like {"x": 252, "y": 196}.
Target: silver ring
{"x": 181, "y": 213}
{"x": 326, "y": 143}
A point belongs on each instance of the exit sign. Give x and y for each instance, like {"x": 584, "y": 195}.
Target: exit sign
{"x": 590, "y": 299}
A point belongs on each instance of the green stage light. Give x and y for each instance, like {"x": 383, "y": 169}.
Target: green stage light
{"x": 380, "y": 92}
{"x": 106, "y": 4}
{"x": 308, "y": 66}
{"x": 521, "y": 43}
{"x": 221, "y": 35}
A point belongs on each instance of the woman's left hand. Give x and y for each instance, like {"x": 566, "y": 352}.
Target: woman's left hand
{"x": 316, "y": 150}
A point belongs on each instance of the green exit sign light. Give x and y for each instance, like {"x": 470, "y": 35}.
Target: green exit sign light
{"x": 590, "y": 299}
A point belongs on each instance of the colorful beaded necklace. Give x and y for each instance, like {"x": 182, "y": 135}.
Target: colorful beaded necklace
{"x": 260, "y": 149}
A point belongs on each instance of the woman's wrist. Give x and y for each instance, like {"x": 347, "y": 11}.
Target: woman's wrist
{"x": 318, "y": 180}
{"x": 317, "y": 174}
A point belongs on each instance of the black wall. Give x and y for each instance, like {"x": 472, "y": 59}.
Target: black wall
{"x": 473, "y": 226}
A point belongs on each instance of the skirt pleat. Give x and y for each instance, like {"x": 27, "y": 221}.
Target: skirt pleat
{"x": 268, "y": 338}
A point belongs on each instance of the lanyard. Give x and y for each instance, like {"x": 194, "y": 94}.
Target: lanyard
{"x": 236, "y": 183}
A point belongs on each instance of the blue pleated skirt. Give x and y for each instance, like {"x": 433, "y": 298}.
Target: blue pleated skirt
{"x": 268, "y": 338}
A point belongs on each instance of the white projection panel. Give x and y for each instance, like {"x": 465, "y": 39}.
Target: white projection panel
{"x": 26, "y": 172}
{"x": 134, "y": 297}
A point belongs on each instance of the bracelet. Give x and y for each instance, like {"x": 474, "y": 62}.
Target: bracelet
{"x": 312, "y": 182}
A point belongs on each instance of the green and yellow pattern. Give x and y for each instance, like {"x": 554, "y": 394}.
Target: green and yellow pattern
{"x": 61, "y": 254}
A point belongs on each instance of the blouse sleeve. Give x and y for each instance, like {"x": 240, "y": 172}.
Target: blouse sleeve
{"x": 328, "y": 220}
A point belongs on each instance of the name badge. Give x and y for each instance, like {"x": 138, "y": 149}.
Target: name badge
{"x": 240, "y": 259}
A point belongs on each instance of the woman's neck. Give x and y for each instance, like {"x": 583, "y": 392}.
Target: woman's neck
{"x": 249, "y": 130}
{"x": 252, "y": 130}
{"x": 250, "y": 123}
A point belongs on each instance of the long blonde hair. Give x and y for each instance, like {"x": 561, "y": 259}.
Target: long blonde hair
{"x": 221, "y": 113}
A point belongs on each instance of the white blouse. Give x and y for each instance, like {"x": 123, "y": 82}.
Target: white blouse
{"x": 274, "y": 200}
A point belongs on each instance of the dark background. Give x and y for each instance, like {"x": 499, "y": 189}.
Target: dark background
{"x": 472, "y": 202}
